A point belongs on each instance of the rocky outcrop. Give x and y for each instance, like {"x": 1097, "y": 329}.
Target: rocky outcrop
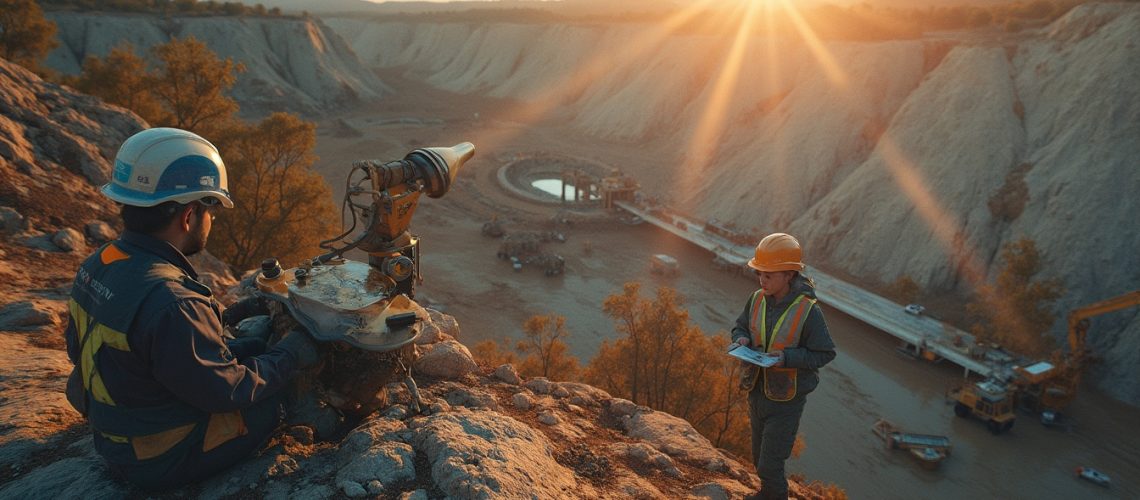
{"x": 917, "y": 158}
{"x": 291, "y": 64}
{"x": 572, "y": 441}
{"x": 55, "y": 149}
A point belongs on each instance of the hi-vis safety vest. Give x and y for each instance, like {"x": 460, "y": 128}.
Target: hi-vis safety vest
{"x": 779, "y": 383}
{"x": 108, "y": 293}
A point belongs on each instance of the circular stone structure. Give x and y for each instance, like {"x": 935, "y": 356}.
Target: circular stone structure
{"x": 519, "y": 175}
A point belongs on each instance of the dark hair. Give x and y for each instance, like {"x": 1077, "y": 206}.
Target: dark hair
{"x": 149, "y": 220}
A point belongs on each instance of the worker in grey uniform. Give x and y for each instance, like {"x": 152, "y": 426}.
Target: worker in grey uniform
{"x": 783, "y": 320}
{"x": 169, "y": 399}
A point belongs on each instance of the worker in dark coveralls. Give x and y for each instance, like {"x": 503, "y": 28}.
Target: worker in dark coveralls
{"x": 170, "y": 400}
{"x": 783, "y": 320}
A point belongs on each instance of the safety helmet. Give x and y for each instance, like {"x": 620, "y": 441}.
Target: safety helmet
{"x": 167, "y": 164}
{"x": 777, "y": 252}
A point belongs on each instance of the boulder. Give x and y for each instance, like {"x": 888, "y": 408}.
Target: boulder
{"x": 26, "y": 316}
{"x": 100, "y": 231}
{"x": 386, "y": 462}
{"x": 647, "y": 456}
{"x": 484, "y": 455}
{"x": 677, "y": 438}
{"x": 507, "y": 374}
{"x": 11, "y": 221}
{"x": 438, "y": 328}
{"x": 448, "y": 359}
{"x": 471, "y": 397}
{"x": 724, "y": 490}
{"x": 539, "y": 385}
{"x": 549, "y": 418}
{"x": 69, "y": 240}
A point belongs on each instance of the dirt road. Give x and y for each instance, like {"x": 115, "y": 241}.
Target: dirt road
{"x": 867, "y": 381}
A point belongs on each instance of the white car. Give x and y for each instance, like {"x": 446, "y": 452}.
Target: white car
{"x": 914, "y": 309}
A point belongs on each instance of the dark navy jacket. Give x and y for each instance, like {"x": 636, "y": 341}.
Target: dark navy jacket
{"x": 174, "y": 356}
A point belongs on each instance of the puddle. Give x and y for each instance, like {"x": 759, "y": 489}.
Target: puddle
{"x": 554, "y": 188}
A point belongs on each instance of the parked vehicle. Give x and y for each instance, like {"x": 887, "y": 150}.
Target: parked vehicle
{"x": 1095, "y": 476}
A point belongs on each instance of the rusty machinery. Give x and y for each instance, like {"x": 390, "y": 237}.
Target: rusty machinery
{"x": 364, "y": 314}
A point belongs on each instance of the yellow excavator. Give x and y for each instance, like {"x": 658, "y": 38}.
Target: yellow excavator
{"x": 1049, "y": 386}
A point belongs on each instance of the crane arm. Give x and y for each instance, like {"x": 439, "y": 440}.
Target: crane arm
{"x": 1078, "y": 324}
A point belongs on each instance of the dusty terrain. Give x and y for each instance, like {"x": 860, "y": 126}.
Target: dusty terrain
{"x": 868, "y": 381}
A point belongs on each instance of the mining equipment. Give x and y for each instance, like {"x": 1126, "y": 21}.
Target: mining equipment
{"x": 551, "y": 264}
{"x": 929, "y": 449}
{"x": 362, "y": 314}
{"x": 1049, "y": 386}
{"x": 664, "y": 265}
{"x": 989, "y": 400}
{"x": 520, "y": 245}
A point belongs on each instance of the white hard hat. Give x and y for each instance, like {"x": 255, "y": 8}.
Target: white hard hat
{"x": 167, "y": 164}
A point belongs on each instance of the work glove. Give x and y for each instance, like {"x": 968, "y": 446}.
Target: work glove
{"x": 244, "y": 308}
{"x": 300, "y": 345}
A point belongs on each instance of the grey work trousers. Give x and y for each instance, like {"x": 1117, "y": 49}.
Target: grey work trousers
{"x": 774, "y": 428}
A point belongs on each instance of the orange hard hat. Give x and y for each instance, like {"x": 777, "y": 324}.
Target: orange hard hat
{"x": 777, "y": 252}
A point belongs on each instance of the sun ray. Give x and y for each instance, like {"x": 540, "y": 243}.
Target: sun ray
{"x": 830, "y": 67}
{"x": 540, "y": 106}
{"x": 706, "y": 138}
{"x": 945, "y": 227}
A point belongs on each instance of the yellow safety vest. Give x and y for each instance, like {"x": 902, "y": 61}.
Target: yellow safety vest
{"x": 779, "y": 382}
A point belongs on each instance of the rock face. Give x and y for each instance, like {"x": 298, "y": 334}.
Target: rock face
{"x": 292, "y": 64}
{"x": 55, "y": 149}
{"x": 885, "y": 159}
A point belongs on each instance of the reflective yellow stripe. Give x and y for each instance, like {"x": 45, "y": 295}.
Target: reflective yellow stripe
{"x": 115, "y": 439}
{"x": 766, "y": 336}
{"x": 112, "y": 338}
{"x": 100, "y": 335}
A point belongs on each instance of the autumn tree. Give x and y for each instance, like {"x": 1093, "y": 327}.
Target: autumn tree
{"x": 904, "y": 289}
{"x": 187, "y": 88}
{"x": 122, "y": 78}
{"x": 25, "y": 35}
{"x": 1015, "y": 310}
{"x": 663, "y": 361}
{"x": 544, "y": 346}
{"x": 191, "y": 84}
{"x": 492, "y": 353}
{"x": 282, "y": 208}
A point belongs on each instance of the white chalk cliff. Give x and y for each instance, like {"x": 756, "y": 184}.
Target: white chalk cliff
{"x": 291, "y": 64}
{"x": 885, "y": 166}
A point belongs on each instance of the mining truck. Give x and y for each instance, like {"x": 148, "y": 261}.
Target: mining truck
{"x": 550, "y": 263}
{"x": 518, "y": 245}
{"x": 989, "y": 401}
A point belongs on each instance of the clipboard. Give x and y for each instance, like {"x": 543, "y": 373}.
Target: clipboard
{"x": 757, "y": 358}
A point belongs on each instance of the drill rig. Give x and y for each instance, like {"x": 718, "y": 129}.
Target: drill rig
{"x": 363, "y": 314}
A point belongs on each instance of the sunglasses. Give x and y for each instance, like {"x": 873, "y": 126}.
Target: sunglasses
{"x": 210, "y": 203}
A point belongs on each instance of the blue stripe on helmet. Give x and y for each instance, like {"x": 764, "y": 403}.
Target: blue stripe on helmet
{"x": 189, "y": 173}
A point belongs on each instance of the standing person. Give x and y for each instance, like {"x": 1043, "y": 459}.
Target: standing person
{"x": 168, "y": 400}
{"x": 783, "y": 320}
